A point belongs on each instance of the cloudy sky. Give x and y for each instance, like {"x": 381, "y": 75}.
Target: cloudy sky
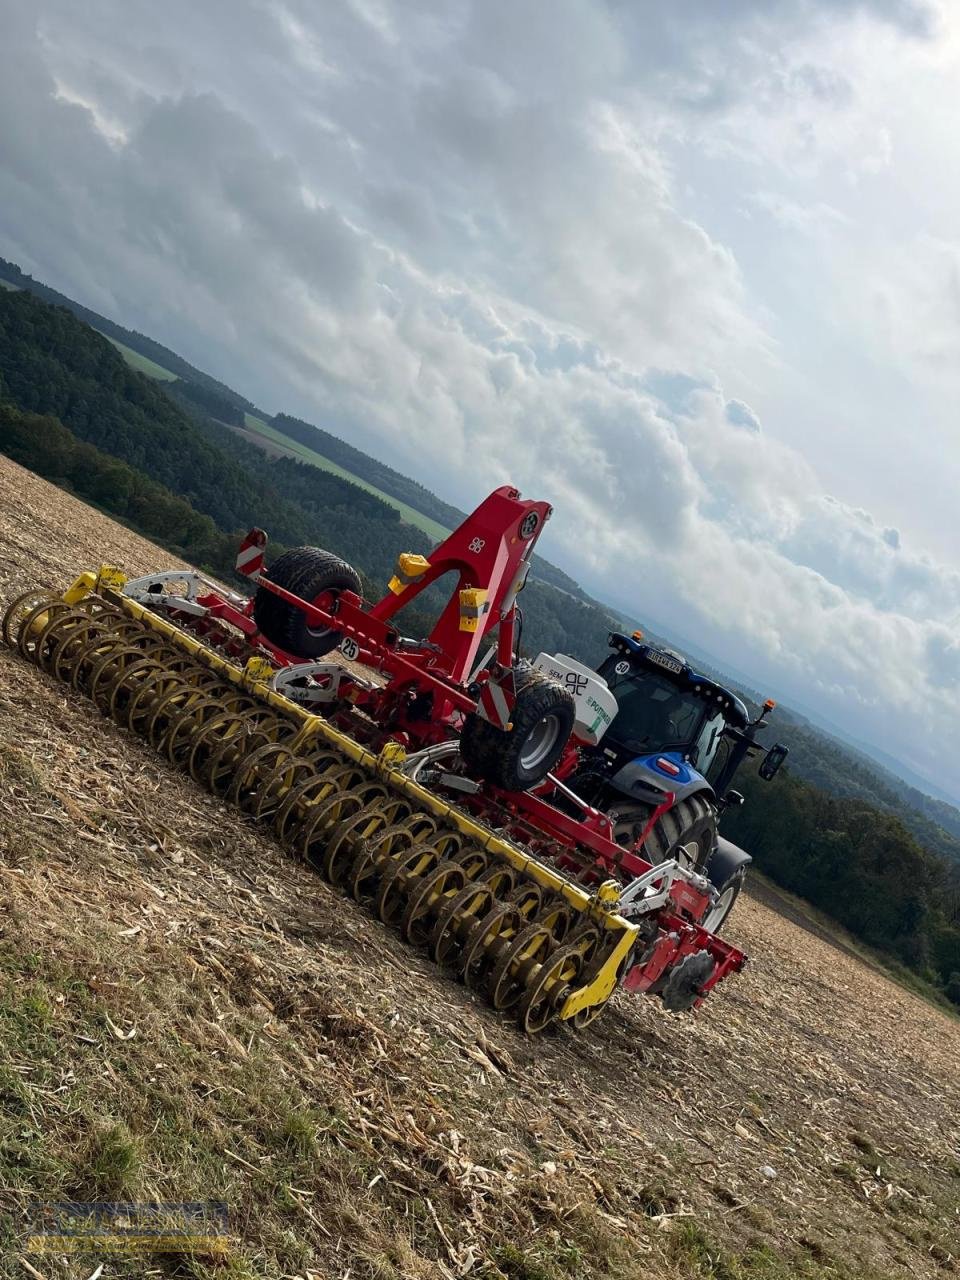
{"x": 692, "y": 272}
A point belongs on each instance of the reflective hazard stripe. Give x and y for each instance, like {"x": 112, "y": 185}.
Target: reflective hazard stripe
{"x": 495, "y": 705}
{"x": 250, "y": 555}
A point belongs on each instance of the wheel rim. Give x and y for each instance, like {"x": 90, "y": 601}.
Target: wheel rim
{"x": 717, "y": 914}
{"x": 541, "y": 741}
{"x": 688, "y": 854}
{"x": 325, "y": 600}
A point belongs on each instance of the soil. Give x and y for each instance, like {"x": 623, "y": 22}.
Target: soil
{"x": 806, "y": 1121}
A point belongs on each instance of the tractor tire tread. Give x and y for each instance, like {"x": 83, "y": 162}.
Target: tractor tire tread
{"x": 688, "y": 815}
{"x": 306, "y": 572}
{"x": 494, "y": 754}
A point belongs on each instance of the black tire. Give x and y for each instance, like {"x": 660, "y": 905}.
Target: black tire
{"x": 307, "y": 572}
{"x": 518, "y": 758}
{"x": 692, "y": 821}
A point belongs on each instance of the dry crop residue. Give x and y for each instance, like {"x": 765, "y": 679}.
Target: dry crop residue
{"x": 185, "y": 1012}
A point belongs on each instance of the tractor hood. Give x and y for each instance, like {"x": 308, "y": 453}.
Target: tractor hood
{"x": 649, "y": 777}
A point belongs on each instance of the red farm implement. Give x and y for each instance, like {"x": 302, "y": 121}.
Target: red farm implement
{"x": 436, "y": 780}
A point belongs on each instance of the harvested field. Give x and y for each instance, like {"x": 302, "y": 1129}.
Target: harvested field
{"x": 187, "y": 1013}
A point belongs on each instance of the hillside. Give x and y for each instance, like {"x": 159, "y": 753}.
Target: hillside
{"x": 843, "y": 772}
{"x": 184, "y": 1012}
{"x": 166, "y": 362}
{"x": 52, "y": 364}
{"x": 409, "y": 493}
{"x": 189, "y": 385}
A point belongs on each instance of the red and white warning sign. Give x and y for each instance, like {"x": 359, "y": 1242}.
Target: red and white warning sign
{"x": 250, "y": 555}
{"x": 497, "y": 700}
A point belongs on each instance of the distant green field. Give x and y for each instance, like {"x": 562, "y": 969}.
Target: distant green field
{"x": 296, "y": 450}
{"x": 141, "y": 363}
{"x": 291, "y": 447}
{"x": 5, "y": 284}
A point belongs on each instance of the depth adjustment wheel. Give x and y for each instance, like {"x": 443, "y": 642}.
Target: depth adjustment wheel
{"x": 518, "y": 758}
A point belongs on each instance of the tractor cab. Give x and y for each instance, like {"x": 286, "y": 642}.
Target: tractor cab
{"x": 663, "y": 705}
{"x": 681, "y": 723}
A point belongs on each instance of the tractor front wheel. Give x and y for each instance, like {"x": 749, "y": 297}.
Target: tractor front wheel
{"x": 517, "y": 758}
{"x": 315, "y": 576}
{"x": 728, "y": 893}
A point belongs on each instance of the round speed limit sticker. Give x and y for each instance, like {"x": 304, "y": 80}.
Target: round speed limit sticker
{"x": 349, "y": 648}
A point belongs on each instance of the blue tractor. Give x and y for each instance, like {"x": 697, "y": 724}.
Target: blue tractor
{"x": 674, "y": 731}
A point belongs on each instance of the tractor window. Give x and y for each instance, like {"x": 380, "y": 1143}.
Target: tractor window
{"x": 652, "y": 713}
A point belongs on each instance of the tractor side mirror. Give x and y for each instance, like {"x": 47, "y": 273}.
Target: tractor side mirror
{"x": 772, "y": 761}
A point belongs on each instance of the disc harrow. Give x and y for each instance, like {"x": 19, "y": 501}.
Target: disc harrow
{"x": 509, "y": 925}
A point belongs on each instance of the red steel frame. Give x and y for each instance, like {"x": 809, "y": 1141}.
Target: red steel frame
{"x": 490, "y": 553}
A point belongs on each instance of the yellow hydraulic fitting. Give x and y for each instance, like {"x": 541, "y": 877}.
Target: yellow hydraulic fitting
{"x": 608, "y": 894}
{"x": 110, "y": 578}
{"x": 258, "y": 671}
{"x": 473, "y": 605}
{"x": 410, "y": 568}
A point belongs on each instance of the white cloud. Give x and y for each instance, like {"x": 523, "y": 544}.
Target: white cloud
{"x": 913, "y": 307}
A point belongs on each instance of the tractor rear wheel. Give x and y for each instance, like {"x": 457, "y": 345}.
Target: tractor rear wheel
{"x": 315, "y": 576}
{"x": 517, "y": 758}
{"x": 687, "y": 832}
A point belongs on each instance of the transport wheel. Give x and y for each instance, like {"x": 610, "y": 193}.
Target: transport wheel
{"x": 316, "y": 576}
{"x": 517, "y": 758}
{"x": 687, "y": 832}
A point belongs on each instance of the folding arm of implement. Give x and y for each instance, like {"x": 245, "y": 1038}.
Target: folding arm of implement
{"x": 523, "y": 901}
{"x": 490, "y": 554}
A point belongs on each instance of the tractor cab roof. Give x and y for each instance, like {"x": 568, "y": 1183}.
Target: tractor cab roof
{"x": 676, "y": 668}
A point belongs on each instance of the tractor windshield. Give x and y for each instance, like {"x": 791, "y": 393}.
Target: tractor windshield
{"x": 653, "y": 714}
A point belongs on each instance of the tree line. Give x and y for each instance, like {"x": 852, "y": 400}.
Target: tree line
{"x": 859, "y": 865}
{"x": 405, "y": 490}
{"x": 131, "y": 338}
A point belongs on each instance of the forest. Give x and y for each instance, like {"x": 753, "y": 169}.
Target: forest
{"x": 72, "y": 411}
{"x": 130, "y": 337}
{"x": 842, "y": 773}
{"x": 859, "y": 865}
{"x": 205, "y": 402}
{"x": 367, "y": 468}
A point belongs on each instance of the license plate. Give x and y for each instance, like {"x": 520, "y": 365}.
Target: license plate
{"x": 665, "y": 660}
